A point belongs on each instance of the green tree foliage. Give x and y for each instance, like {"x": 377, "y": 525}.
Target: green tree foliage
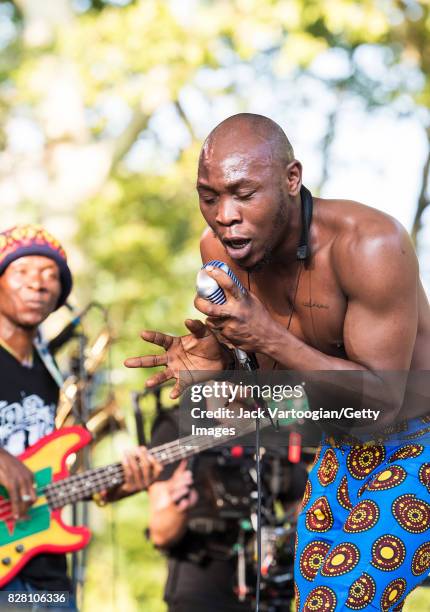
{"x": 103, "y": 90}
{"x": 140, "y": 239}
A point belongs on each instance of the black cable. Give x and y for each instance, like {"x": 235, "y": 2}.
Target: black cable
{"x": 257, "y": 466}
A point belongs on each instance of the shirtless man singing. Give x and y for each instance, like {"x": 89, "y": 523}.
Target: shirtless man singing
{"x": 355, "y": 303}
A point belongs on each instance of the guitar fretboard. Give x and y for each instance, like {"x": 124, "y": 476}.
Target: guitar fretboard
{"x": 84, "y": 485}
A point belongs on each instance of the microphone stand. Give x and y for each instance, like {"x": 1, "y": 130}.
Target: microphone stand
{"x": 81, "y": 411}
{"x": 139, "y": 419}
{"x": 249, "y": 363}
{"x": 209, "y": 289}
{"x": 136, "y": 396}
{"x": 80, "y": 511}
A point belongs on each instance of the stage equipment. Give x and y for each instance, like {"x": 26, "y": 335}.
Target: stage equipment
{"x": 83, "y": 369}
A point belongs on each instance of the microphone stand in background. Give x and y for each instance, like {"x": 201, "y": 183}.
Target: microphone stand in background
{"x": 70, "y": 331}
{"x": 80, "y": 510}
{"x": 139, "y": 419}
{"x": 81, "y": 373}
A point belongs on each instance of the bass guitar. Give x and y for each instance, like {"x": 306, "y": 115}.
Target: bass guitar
{"x": 44, "y": 531}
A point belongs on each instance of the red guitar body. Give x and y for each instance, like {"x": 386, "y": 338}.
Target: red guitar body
{"x": 45, "y": 531}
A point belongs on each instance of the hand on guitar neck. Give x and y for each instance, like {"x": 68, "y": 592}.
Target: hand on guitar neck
{"x": 139, "y": 467}
{"x": 18, "y": 481}
{"x": 140, "y": 470}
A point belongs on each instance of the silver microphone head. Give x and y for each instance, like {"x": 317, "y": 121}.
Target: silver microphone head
{"x": 209, "y": 289}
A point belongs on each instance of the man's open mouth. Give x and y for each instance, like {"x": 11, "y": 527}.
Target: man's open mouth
{"x": 237, "y": 248}
{"x": 236, "y": 243}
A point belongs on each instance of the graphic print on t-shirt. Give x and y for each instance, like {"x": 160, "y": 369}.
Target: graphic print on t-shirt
{"x": 24, "y": 423}
{"x": 28, "y": 397}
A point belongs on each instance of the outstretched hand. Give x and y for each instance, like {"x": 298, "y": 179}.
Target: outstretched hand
{"x": 184, "y": 356}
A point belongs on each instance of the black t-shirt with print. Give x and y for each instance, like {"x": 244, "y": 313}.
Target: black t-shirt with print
{"x": 28, "y": 401}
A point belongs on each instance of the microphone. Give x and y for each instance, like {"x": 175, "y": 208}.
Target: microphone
{"x": 208, "y": 288}
{"x": 67, "y": 333}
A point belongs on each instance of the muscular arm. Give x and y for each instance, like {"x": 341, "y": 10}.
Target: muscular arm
{"x": 379, "y": 276}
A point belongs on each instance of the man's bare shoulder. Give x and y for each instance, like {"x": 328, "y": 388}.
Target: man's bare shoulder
{"x": 369, "y": 247}
{"x": 352, "y": 215}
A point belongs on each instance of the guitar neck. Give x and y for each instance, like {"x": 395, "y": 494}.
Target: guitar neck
{"x": 82, "y": 486}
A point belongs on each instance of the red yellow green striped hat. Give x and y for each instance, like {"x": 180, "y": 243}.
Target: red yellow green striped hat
{"x": 22, "y": 240}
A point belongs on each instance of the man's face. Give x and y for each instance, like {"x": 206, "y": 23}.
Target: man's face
{"x": 29, "y": 290}
{"x": 243, "y": 198}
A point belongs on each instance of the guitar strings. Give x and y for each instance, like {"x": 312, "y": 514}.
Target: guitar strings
{"x": 171, "y": 451}
{"x": 83, "y": 483}
{"x": 74, "y": 486}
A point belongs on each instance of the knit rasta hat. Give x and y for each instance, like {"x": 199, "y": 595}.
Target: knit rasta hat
{"x": 23, "y": 240}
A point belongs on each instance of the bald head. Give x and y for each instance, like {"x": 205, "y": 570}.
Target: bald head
{"x": 249, "y": 131}
{"x": 249, "y": 188}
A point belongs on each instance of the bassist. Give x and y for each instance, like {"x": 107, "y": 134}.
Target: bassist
{"x": 35, "y": 280}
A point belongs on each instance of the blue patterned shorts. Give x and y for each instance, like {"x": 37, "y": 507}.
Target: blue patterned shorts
{"x": 363, "y": 536}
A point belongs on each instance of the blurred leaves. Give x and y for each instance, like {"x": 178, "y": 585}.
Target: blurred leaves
{"x": 99, "y": 141}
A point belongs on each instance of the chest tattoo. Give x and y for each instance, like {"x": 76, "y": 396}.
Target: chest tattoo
{"x": 310, "y": 304}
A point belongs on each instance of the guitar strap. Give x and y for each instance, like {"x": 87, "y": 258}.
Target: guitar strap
{"x": 42, "y": 349}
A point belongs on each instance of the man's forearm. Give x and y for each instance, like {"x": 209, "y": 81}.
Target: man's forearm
{"x": 167, "y": 526}
{"x": 294, "y": 354}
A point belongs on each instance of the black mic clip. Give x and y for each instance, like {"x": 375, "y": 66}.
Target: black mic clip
{"x": 303, "y": 252}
